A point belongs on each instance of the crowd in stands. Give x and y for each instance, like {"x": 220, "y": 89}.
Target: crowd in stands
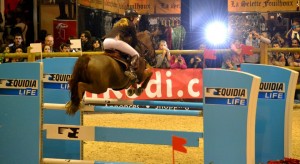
{"x": 166, "y": 60}
{"x": 18, "y": 45}
{"x": 233, "y": 60}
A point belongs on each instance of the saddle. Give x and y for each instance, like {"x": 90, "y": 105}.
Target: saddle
{"x": 120, "y": 57}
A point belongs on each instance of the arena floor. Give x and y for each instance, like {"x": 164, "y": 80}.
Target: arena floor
{"x": 154, "y": 154}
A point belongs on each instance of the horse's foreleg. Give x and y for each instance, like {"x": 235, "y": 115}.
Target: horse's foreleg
{"x": 147, "y": 75}
{"x": 132, "y": 89}
{"x": 146, "y": 78}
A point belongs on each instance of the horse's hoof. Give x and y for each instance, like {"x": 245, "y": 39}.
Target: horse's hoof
{"x": 130, "y": 91}
{"x": 139, "y": 91}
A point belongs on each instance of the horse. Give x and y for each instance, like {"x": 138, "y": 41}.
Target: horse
{"x": 97, "y": 73}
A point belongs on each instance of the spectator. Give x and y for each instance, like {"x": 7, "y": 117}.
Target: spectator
{"x": 254, "y": 40}
{"x": 49, "y": 41}
{"x": 64, "y": 47}
{"x": 163, "y": 60}
{"x": 18, "y": 43}
{"x": 237, "y": 58}
{"x": 47, "y": 49}
{"x": 86, "y": 41}
{"x": 294, "y": 44}
{"x": 228, "y": 63}
{"x": 177, "y": 61}
{"x": 277, "y": 58}
{"x": 97, "y": 46}
{"x": 6, "y": 50}
{"x": 294, "y": 32}
{"x": 197, "y": 61}
{"x": 294, "y": 60}
{"x": 18, "y": 51}
{"x": 277, "y": 38}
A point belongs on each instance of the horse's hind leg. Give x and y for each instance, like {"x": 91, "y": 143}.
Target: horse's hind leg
{"x": 82, "y": 87}
{"x": 75, "y": 104}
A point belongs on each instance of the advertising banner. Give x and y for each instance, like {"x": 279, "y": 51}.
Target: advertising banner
{"x": 164, "y": 84}
{"x": 111, "y": 5}
{"x": 274, "y": 107}
{"x": 63, "y": 30}
{"x": 229, "y": 108}
{"x": 20, "y": 99}
{"x": 123, "y": 5}
{"x": 84, "y": 2}
{"x": 168, "y": 7}
{"x": 142, "y": 6}
{"x": 261, "y": 6}
{"x": 97, "y": 4}
{"x": 57, "y": 72}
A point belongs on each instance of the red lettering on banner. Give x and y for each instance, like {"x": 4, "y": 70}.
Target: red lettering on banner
{"x": 164, "y": 84}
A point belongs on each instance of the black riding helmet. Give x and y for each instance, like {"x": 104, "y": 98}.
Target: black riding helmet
{"x": 130, "y": 14}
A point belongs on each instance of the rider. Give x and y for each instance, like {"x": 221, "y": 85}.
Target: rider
{"x": 123, "y": 38}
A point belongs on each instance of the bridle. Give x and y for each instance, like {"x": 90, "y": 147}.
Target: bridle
{"x": 144, "y": 47}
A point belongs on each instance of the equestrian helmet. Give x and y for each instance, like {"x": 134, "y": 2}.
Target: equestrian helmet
{"x": 130, "y": 13}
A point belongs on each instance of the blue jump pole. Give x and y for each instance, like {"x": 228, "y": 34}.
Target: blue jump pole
{"x": 146, "y": 111}
{"x": 169, "y": 103}
{"x": 144, "y": 102}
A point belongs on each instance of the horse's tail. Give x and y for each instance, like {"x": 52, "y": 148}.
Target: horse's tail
{"x": 79, "y": 74}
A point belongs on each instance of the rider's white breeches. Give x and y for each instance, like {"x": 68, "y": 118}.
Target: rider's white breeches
{"x": 112, "y": 43}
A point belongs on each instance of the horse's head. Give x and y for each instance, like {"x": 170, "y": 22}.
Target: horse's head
{"x": 146, "y": 47}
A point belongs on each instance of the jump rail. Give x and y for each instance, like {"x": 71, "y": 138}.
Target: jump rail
{"x": 143, "y": 102}
{"x": 115, "y": 134}
{"x": 62, "y": 161}
{"x": 109, "y": 109}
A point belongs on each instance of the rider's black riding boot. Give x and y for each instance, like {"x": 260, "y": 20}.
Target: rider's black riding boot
{"x": 131, "y": 73}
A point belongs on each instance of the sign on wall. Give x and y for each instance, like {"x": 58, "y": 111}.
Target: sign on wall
{"x": 261, "y": 6}
{"x": 111, "y": 5}
{"x": 168, "y": 7}
{"x": 97, "y": 4}
{"x": 63, "y": 30}
{"x": 85, "y": 2}
{"x": 123, "y": 5}
{"x": 142, "y": 6}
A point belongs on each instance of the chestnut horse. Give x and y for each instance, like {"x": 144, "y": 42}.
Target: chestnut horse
{"x": 97, "y": 73}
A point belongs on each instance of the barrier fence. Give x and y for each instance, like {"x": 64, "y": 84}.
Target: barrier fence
{"x": 263, "y": 51}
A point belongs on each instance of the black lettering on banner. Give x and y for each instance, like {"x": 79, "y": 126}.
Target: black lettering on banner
{"x": 72, "y": 134}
